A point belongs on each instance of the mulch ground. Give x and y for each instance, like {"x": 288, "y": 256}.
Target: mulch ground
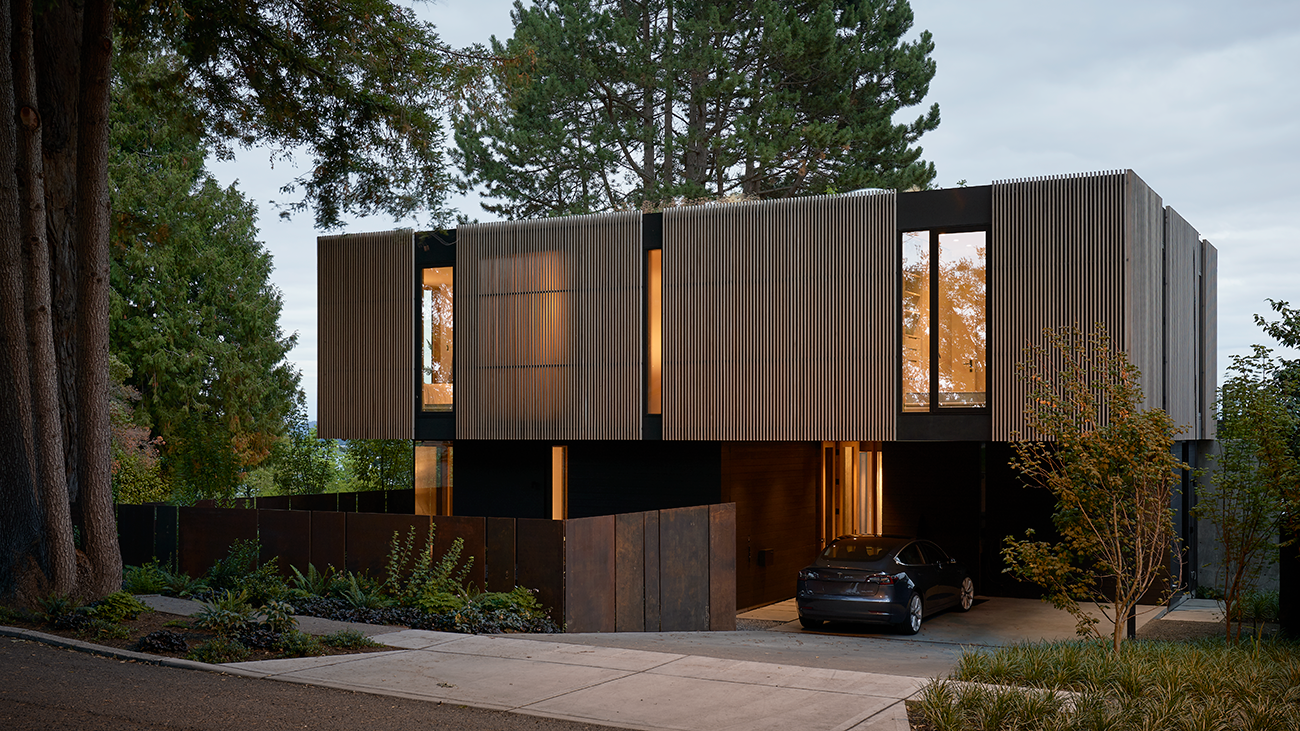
{"x": 152, "y": 621}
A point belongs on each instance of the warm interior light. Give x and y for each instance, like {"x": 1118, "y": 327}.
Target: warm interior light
{"x": 654, "y": 325}
{"x": 559, "y": 482}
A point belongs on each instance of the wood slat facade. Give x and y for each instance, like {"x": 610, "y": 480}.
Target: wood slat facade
{"x": 780, "y": 320}
{"x": 1144, "y": 322}
{"x": 1056, "y": 260}
{"x": 365, "y": 335}
{"x": 549, "y": 328}
{"x": 1209, "y": 371}
{"x": 1182, "y": 323}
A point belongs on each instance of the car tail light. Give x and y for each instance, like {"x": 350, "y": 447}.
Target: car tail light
{"x": 808, "y": 575}
{"x": 883, "y": 579}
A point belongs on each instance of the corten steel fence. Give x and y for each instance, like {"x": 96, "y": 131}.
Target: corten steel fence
{"x": 661, "y": 570}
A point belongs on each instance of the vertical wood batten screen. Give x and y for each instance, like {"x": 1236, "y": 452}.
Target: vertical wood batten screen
{"x": 1182, "y": 322}
{"x": 1057, "y": 260}
{"x": 1144, "y": 215}
{"x": 366, "y": 335}
{"x": 1209, "y": 340}
{"x": 780, "y": 320}
{"x": 548, "y": 328}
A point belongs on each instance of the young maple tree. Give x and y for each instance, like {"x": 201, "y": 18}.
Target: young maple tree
{"x": 1111, "y": 467}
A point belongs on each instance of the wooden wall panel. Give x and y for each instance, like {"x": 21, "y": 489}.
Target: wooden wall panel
{"x": 780, "y": 320}
{"x": 366, "y": 335}
{"x": 1182, "y": 322}
{"x": 549, "y": 328}
{"x": 1144, "y": 216}
{"x": 1209, "y": 339}
{"x": 1056, "y": 260}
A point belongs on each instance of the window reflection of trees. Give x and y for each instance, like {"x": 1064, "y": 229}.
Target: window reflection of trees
{"x": 916, "y": 320}
{"x": 962, "y": 320}
{"x": 438, "y": 309}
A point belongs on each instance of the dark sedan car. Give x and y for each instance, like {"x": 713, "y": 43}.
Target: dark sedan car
{"x": 897, "y": 581}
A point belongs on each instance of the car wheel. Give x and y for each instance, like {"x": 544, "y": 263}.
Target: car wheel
{"x": 915, "y": 613}
{"x": 810, "y": 623}
{"x": 967, "y": 599}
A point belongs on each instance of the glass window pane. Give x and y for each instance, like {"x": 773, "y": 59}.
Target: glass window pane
{"x": 654, "y": 322}
{"x": 916, "y": 321}
{"x": 961, "y": 319}
{"x": 437, "y": 315}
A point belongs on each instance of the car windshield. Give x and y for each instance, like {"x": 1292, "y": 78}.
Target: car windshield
{"x": 858, "y": 549}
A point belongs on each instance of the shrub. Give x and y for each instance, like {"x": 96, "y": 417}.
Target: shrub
{"x": 440, "y": 602}
{"x": 227, "y": 613}
{"x": 146, "y": 579}
{"x": 411, "y": 575}
{"x": 313, "y": 583}
{"x": 118, "y": 606}
{"x": 363, "y": 594}
{"x": 348, "y": 639}
{"x": 56, "y": 607}
{"x": 97, "y": 627}
{"x": 239, "y": 569}
{"x": 300, "y": 644}
{"x": 278, "y": 617}
{"x": 222, "y": 649}
{"x": 163, "y": 641}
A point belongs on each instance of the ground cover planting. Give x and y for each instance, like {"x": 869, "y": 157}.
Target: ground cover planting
{"x": 1148, "y": 684}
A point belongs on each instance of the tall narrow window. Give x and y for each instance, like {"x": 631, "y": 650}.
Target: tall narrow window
{"x": 559, "y": 482}
{"x": 916, "y": 321}
{"x": 962, "y": 306}
{"x": 945, "y": 315}
{"x": 433, "y": 478}
{"x": 654, "y": 331}
{"x": 437, "y": 316}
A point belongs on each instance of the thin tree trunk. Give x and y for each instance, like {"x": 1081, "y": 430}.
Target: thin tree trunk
{"x": 93, "y": 297}
{"x": 60, "y": 552}
{"x": 20, "y": 526}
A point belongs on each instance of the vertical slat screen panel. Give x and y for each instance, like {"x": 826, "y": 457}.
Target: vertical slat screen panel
{"x": 1182, "y": 316}
{"x": 549, "y": 328}
{"x": 1144, "y": 247}
{"x": 780, "y": 320}
{"x": 1209, "y": 339}
{"x": 366, "y": 335}
{"x": 1056, "y": 260}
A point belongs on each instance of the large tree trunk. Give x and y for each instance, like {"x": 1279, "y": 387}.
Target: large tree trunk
{"x": 92, "y": 301}
{"x": 60, "y": 559}
{"x": 20, "y": 526}
{"x": 54, "y": 426}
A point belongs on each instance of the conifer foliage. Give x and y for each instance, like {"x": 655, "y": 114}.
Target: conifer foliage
{"x": 636, "y": 102}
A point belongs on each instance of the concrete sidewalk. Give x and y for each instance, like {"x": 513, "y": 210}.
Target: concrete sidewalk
{"x": 609, "y": 685}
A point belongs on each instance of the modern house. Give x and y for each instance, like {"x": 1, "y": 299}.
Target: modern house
{"x": 830, "y": 364}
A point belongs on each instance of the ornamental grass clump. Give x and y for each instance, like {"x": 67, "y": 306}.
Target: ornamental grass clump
{"x": 1147, "y": 685}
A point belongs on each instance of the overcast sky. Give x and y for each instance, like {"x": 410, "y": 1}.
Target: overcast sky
{"x": 1201, "y": 99}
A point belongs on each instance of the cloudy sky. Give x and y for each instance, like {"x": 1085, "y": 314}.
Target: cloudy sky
{"x": 1201, "y": 99}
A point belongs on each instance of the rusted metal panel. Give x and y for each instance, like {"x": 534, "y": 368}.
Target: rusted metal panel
{"x": 371, "y": 502}
{"x": 370, "y": 537}
{"x": 166, "y": 530}
{"x": 366, "y": 335}
{"x": 473, "y": 532}
{"x": 328, "y": 540}
{"x": 499, "y": 559}
{"x": 722, "y": 567}
{"x": 135, "y": 533}
{"x": 285, "y": 534}
{"x": 629, "y": 572}
{"x": 589, "y": 574}
{"x": 279, "y": 502}
{"x": 1058, "y": 260}
{"x": 539, "y": 560}
{"x": 324, "y": 501}
{"x": 786, "y": 307}
{"x": 549, "y": 328}
{"x": 400, "y": 501}
{"x": 347, "y": 502}
{"x": 206, "y": 535}
{"x": 653, "y": 608}
{"x": 684, "y": 569}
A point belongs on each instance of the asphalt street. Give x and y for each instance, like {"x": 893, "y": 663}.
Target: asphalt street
{"x": 43, "y": 687}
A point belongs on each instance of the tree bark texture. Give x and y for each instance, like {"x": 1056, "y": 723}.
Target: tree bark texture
{"x": 54, "y": 425}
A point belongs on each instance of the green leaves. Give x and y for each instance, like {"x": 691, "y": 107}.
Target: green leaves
{"x": 634, "y": 104}
{"x": 1110, "y": 465}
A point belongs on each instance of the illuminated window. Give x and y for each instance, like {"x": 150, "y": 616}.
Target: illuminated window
{"x": 433, "y": 478}
{"x": 437, "y": 312}
{"x": 654, "y": 325}
{"x": 944, "y": 308}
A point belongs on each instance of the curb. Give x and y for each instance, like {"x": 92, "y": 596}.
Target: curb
{"x": 113, "y": 652}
